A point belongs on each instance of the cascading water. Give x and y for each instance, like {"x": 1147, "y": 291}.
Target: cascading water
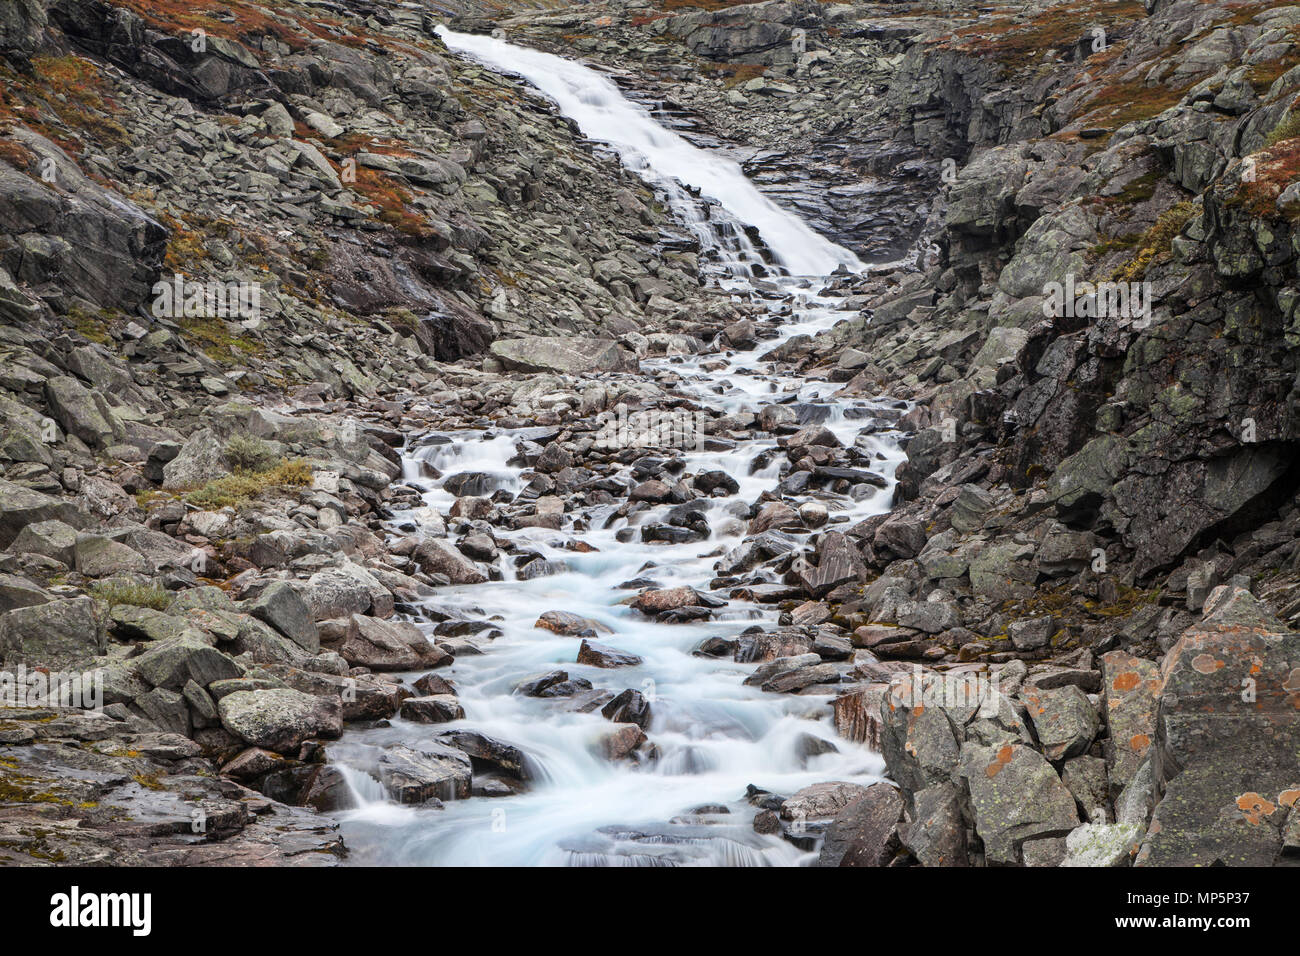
{"x": 713, "y": 734}
{"x": 664, "y": 158}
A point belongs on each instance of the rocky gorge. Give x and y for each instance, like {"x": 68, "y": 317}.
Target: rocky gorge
{"x": 428, "y": 471}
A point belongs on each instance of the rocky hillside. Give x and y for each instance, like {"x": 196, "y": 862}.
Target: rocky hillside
{"x": 1098, "y": 510}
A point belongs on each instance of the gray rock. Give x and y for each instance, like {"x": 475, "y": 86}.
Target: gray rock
{"x": 279, "y": 720}
{"x": 57, "y": 635}
{"x": 435, "y": 771}
{"x": 1015, "y": 796}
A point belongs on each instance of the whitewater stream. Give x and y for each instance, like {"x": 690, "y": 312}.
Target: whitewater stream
{"x": 714, "y": 736}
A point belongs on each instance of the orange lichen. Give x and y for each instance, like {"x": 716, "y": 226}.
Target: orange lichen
{"x": 1001, "y": 760}
{"x": 1254, "y": 808}
{"x": 1126, "y": 681}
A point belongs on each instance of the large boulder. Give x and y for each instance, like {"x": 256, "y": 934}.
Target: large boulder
{"x": 201, "y": 459}
{"x": 865, "y": 833}
{"x": 81, "y": 411}
{"x": 1225, "y": 759}
{"x": 57, "y": 634}
{"x": 1015, "y": 796}
{"x": 389, "y": 645}
{"x": 283, "y": 608}
{"x": 433, "y": 772}
{"x": 21, "y": 506}
{"x": 279, "y": 719}
{"x": 99, "y": 245}
{"x": 566, "y": 355}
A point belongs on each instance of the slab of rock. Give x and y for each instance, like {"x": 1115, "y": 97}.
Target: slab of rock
{"x": 389, "y": 646}
{"x": 56, "y": 634}
{"x": 176, "y": 661}
{"x": 21, "y": 506}
{"x": 1224, "y": 758}
{"x": 1129, "y": 687}
{"x": 565, "y": 355}
{"x": 937, "y": 834}
{"x": 280, "y": 606}
{"x": 838, "y": 562}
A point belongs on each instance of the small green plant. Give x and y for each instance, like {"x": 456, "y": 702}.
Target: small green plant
{"x": 1289, "y": 128}
{"x": 249, "y": 454}
{"x": 116, "y": 592}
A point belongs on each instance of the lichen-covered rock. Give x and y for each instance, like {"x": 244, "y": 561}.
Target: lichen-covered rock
{"x": 1224, "y": 757}
{"x": 280, "y": 720}
{"x": 1015, "y": 796}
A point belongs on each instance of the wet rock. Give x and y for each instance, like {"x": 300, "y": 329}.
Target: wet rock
{"x": 602, "y": 655}
{"x": 437, "y": 709}
{"x": 570, "y": 625}
{"x": 488, "y": 753}
{"x": 628, "y": 707}
{"x": 551, "y": 684}
{"x": 431, "y": 772}
{"x": 622, "y": 743}
{"x": 667, "y": 599}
